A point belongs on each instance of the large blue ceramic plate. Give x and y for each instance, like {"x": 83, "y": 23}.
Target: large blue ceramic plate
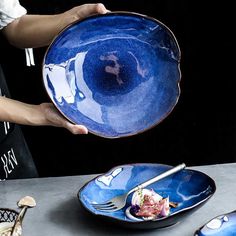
{"x": 118, "y": 74}
{"x": 222, "y": 225}
{"x": 189, "y": 188}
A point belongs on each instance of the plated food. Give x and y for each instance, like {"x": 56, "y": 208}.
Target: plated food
{"x": 149, "y": 205}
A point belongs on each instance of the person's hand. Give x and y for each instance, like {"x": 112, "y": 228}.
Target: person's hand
{"x": 54, "y": 118}
{"x": 32, "y": 31}
{"x": 81, "y": 12}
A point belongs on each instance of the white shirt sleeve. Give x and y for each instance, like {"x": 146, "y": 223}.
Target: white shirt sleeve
{"x": 9, "y": 11}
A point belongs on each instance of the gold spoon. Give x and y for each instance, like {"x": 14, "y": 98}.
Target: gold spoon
{"x": 24, "y": 203}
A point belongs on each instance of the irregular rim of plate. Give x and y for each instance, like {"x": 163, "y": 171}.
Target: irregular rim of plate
{"x": 130, "y": 13}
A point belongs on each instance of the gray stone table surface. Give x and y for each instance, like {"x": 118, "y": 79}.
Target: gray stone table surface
{"x": 58, "y": 212}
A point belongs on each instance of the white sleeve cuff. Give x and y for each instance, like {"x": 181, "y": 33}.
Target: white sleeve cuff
{"x": 9, "y": 11}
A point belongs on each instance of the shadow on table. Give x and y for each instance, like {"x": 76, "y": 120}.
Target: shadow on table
{"x": 72, "y": 216}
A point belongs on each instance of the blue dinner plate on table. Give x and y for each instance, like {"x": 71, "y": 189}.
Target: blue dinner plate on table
{"x": 222, "y": 225}
{"x": 189, "y": 189}
{"x": 118, "y": 74}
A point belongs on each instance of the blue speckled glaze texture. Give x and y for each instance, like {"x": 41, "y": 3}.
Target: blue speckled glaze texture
{"x": 189, "y": 188}
{"x": 118, "y": 74}
{"x": 222, "y": 225}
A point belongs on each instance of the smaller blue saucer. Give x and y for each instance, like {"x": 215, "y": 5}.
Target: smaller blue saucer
{"x": 222, "y": 225}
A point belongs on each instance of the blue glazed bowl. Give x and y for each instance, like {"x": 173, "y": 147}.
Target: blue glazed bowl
{"x": 222, "y": 225}
{"x": 118, "y": 74}
{"x": 189, "y": 188}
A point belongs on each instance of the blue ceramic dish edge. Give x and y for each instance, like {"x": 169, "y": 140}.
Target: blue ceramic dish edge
{"x": 198, "y": 231}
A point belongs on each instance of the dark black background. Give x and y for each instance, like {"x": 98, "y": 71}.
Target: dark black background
{"x": 200, "y": 130}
